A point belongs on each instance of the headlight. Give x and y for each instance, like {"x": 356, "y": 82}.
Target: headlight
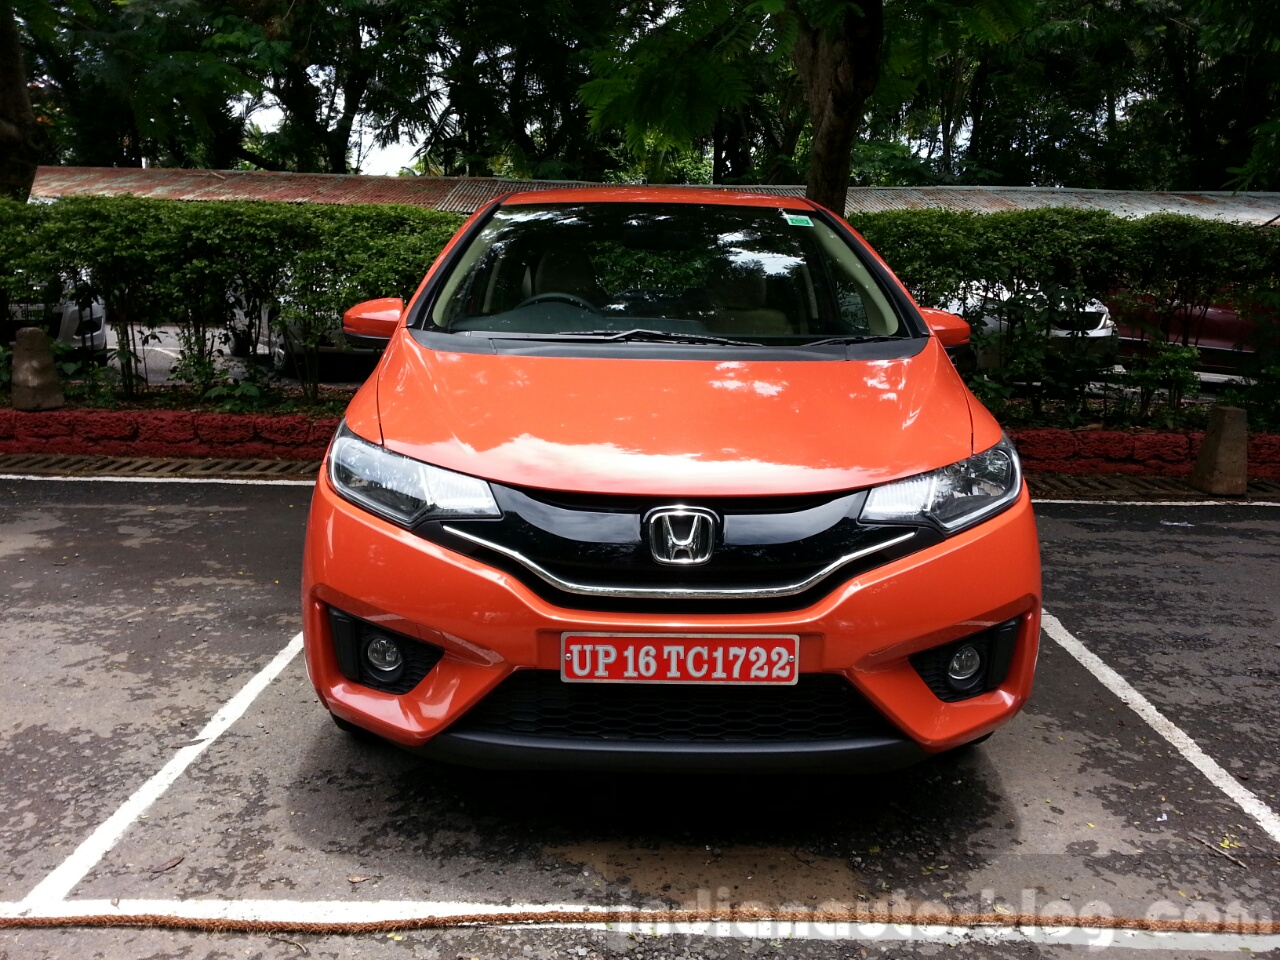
{"x": 953, "y": 497}
{"x": 402, "y": 489}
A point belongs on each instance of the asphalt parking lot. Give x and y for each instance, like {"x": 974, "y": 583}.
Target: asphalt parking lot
{"x": 163, "y": 753}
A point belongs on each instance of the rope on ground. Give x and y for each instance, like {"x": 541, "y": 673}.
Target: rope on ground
{"x": 641, "y": 917}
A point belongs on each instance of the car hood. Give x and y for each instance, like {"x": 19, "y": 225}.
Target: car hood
{"x": 673, "y": 427}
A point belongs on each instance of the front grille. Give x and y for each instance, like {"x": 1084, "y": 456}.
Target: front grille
{"x": 594, "y": 552}
{"x": 537, "y": 703}
{"x": 1080, "y": 321}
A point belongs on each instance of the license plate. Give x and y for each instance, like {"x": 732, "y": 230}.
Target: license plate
{"x": 679, "y": 658}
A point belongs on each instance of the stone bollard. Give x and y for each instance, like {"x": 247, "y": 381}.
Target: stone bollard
{"x": 35, "y": 381}
{"x": 1223, "y": 464}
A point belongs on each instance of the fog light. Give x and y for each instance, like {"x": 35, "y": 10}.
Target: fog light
{"x": 964, "y": 665}
{"x": 384, "y": 657}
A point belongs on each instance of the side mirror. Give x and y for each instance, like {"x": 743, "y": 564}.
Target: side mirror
{"x": 371, "y": 324}
{"x": 951, "y": 330}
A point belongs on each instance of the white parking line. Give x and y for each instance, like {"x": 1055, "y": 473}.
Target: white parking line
{"x": 1263, "y": 815}
{"x": 48, "y": 898}
{"x": 1159, "y": 503}
{"x": 55, "y": 887}
{"x": 233, "y": 481}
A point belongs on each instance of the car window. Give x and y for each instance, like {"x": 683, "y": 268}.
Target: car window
{"x": 754, "y": 273}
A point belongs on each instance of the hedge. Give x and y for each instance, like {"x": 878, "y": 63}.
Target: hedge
{"x": 160, "y": 261}
{"x": 171, "y": 262}
{"x": 1167, "y": 259}
{"x": 1144, "y": 270}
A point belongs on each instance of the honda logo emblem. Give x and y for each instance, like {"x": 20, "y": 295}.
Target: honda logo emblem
{"x": 681, "y": 536}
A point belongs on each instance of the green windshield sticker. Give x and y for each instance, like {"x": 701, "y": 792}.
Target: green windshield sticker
{"x": 798, "y": 220}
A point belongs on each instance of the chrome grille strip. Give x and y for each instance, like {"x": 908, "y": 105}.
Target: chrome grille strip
{"x": 680, "y": 593}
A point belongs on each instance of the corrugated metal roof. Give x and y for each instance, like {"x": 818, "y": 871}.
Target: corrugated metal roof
{"x": 1214, "y": 205}
{"x": 466, "y": 194}
{"x": 239, "y": 185}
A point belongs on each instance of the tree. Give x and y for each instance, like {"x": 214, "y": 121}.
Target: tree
{"x": 335, "y": 67}
{"x": 690, "y": 72}
{"x": 119, "y": 82}
{"x": 21, "y": 139}
{"x": 1143, "y": 94}
{"x": 674, "y": 79}
{"x": 837, "y": 52}
{"x": 513, "y": 69}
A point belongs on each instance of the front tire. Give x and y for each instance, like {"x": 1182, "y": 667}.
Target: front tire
{"x": 351, "y": 730}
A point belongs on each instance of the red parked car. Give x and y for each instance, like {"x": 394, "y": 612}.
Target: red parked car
{"x": 1225, "y": 337}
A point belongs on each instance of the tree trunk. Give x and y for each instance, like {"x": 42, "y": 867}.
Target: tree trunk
{"x": 975, "y": 152}
{"x": 840, "y": 66}
{"x": 717, "y": 150}
{"x": 21, "y": 139}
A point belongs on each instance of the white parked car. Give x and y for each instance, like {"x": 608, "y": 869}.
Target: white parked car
{"x": 67, "y": 322}
{"x": 1082, "y": 326}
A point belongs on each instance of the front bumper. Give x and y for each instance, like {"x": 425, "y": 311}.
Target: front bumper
{"x": 489, "y": 625}
{"x": 866, "y": 754}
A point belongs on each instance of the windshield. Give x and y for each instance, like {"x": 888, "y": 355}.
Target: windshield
{"x": 751, "y": 274}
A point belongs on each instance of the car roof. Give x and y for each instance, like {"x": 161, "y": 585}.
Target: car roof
{"x": 657, "y": 194}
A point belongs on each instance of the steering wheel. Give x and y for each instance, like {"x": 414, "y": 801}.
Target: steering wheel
{"x": 556, "y": 297}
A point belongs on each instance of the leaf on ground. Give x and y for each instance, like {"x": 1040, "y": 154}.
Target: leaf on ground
{"x": 168, "y": 864}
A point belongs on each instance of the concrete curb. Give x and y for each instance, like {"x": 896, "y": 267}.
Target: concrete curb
{"x": 167, "y": 433}
{"x": 179, "y": 433}
{"x": 1151, "y": 453}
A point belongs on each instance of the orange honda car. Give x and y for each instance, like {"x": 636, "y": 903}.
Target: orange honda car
{"x": 668, "y": 479}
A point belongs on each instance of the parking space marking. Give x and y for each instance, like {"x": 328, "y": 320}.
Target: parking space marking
{"x": 1157, "y": 503}
{"x": 49, "y": 898}
{"x": 1190, "y": 750}
{"x": 223, "y": 480}
{"x": 53, "y": 889}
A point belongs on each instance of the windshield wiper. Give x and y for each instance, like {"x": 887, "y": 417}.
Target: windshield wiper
{"x": 656, "y": 336}
{"x": 852, "y": 338}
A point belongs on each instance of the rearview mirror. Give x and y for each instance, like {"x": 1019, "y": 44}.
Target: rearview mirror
{"x": 951, "y": 330}
{"x": 371, "y": 324}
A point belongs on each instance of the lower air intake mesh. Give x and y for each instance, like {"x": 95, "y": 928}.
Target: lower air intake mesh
{"x": 538, "y": 703}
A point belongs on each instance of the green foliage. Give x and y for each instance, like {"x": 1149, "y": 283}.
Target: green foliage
{"x": 937, "y": 252}
{"x": 666, "y": 87}
{"x": 1261, "y": 397}
{"x": 933, "y": 252}
{"x": 119, "y": 80}
{"x": 1186, "y": 260}
{"x": 1153, "y": 263}
{"x": 117, "y": 250}
{"x": 25, "y": 268}
{"x": 207, "y": 266}
{"x": 1145, "y": 94}
{"x": 1052, "y": 262}
{"x": 356, "y": 253}
{"x": 1162, "y": 366}
{"x": 236, "y": 397}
